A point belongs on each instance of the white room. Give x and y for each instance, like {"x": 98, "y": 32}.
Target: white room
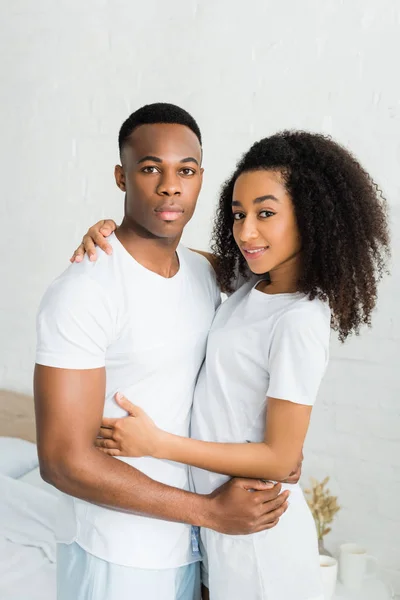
{"x": 72, "y": 72}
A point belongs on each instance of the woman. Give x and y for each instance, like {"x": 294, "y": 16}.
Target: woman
{"x": 301, "y": 215}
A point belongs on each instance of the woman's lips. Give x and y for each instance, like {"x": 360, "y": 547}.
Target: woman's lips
{"x": 254, "y": 253}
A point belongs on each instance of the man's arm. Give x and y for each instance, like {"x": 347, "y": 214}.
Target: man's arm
{"x": 69, "y": 406}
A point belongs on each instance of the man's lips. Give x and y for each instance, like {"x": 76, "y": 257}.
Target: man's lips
{"x": 252, "y": 253}
{"x": 169, "y": 213}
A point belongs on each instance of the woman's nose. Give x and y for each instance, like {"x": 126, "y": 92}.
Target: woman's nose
{"x": 248, "y": 230}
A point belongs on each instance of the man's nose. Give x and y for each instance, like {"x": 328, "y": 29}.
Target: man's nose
{"x": 169, "y": 184}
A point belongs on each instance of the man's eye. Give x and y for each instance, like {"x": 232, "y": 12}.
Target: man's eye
{"x": 237, "y": 216}
{"x": 188, "y": 171}
{"x": 150, "y": 170}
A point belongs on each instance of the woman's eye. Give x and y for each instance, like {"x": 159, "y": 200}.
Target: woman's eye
{"x": 266, "y": 213}
{"x": 237, "y": 216}
{"x": 150, "y": 170}
{"x": 188, "y": 171}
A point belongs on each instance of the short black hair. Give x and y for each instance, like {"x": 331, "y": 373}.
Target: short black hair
{"x": 159, "y": 112}
{"x": 342, "y": 219}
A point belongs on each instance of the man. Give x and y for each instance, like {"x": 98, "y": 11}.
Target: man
{"x": 135, "y": 321}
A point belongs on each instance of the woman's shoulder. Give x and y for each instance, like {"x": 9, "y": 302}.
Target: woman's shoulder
{"x": 306, "y": 313}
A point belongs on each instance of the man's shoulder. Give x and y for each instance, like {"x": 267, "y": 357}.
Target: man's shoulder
{"x": 201, "y": 266}
{"x": 210, "y": 258}
{"x": 200, "y": 261}
{"x": 86, "y": 284}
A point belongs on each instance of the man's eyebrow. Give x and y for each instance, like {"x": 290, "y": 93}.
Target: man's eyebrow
{"x": 258, "y": 200}
{"x": 190, "y": 159}
{"x": 149, "y": 157}
{"x": 159, "y": 160}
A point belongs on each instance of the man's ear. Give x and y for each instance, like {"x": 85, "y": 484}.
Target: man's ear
{"x": 120, "y": 177}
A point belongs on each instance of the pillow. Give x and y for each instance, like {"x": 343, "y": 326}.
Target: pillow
{"x": 17, "y": 456}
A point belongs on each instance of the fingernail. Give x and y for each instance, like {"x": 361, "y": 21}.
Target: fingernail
{"x": 118, "y": 396}
{"x": 78, "y": 258}
{"x": 108, "y": 251}
{"x": 269, "y": 485}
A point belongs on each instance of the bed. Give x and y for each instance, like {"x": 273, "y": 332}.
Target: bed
{"x": 27, "y": 507}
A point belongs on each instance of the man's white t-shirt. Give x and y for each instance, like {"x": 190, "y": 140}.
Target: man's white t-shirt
{"x": 150, "y": 334}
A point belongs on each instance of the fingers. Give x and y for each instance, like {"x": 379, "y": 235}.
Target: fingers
{"x": 267, "y": 495}
{"x": 293, "y": 477}
{"x": 296, "y": 473}
{"x": 124, "y": 403}
{"x": 109, "y": 422}
{"x": 108, "y": 227}
{"x": 78, "y": 254}
{"x": 271, "y": 519}
{"x": 265, "y": 526}
{"x": 106, "y": 433}
{"x": 254, "y": 484}
{"x": 276, "y": 514}
{"x": 271, "y": 525}
{"x": 98, "y": 238}
{"x": 89, "y": 246}
{"x": 271, "y": 505}
{"x": 106, "y": 443}
{"x": 95, "y": 235}
{"x": 110, "y": 452}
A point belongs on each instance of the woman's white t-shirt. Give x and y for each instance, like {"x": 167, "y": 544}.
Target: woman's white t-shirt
{"x": 260, "y": 345}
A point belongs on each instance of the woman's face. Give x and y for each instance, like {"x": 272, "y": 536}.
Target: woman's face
{"x": 264, "y": 225}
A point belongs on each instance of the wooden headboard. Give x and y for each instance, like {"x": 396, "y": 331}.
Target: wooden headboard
{"x": 17, "y": 416}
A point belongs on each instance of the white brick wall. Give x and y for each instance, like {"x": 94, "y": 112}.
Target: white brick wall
{"x": 73, "y": 70}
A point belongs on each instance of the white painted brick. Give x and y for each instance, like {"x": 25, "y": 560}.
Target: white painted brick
{"x": 72, "y": 71}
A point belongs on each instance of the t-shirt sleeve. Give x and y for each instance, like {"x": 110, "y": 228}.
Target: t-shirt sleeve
{"x": 74, "y": 325}
{"x": 299, "y": 355}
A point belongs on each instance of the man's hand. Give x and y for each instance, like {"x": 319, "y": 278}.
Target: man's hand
{"x": 243, "y": 506}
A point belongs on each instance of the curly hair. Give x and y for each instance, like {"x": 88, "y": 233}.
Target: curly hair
{"x": 342, "y": 219}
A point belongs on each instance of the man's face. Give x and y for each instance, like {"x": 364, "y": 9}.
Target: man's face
{"x": 162, "y": 177}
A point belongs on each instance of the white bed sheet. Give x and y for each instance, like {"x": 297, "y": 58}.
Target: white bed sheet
{"x": 27, "y": 541}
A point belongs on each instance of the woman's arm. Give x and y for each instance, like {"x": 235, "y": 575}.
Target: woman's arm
{"x": 274, "y": 458}
{"x": 297, "y": 361}
{"x": 97, "y": 235}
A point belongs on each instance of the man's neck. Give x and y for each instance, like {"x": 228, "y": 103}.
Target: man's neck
{"x": 155, "y": 254}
